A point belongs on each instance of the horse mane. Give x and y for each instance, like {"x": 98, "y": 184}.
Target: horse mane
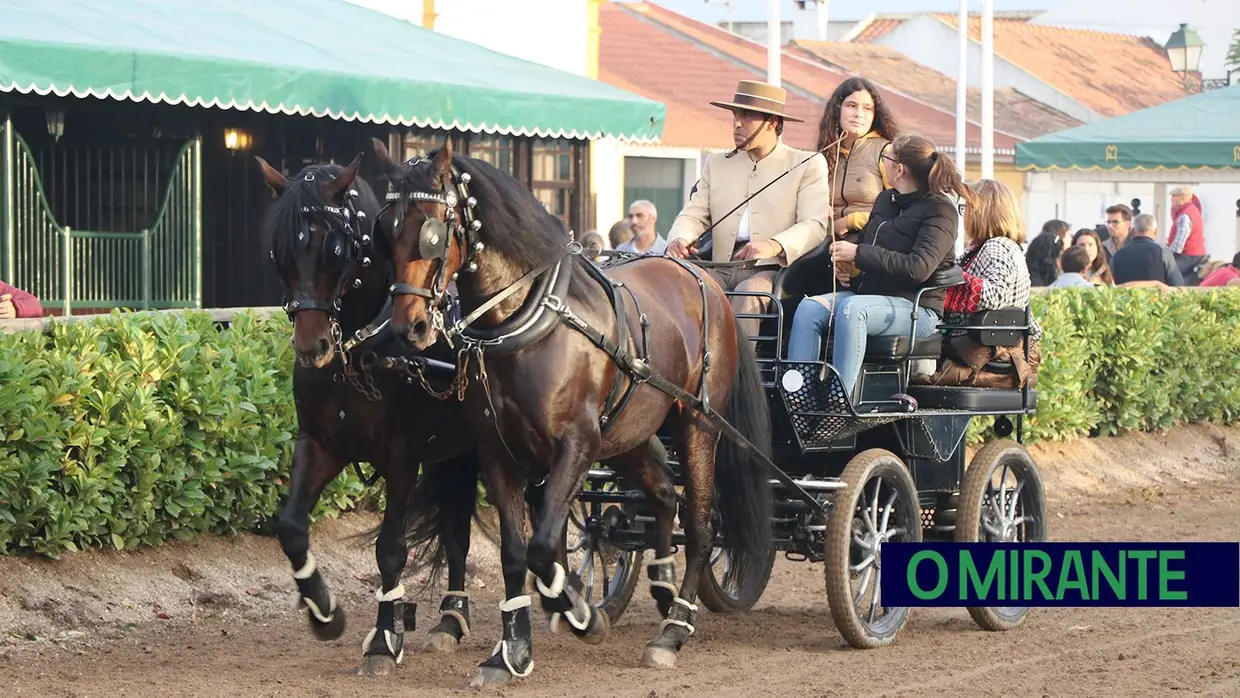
{"x": 284, "y": 220}
{"x": 514, "y": 222}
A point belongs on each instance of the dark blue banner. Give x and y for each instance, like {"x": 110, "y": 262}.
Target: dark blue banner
{"x": 1061, "y": 574}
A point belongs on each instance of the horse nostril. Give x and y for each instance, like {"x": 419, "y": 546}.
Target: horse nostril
{"x": 419, "y": 329}
{"x": 324, "y": 346}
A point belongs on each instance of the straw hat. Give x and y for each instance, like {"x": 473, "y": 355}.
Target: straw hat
{"x": 760, "y": 97}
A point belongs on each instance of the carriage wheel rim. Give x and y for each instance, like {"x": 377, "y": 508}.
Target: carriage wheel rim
{"x": 872, "y": 526}
{"x": 1006, "y": 517}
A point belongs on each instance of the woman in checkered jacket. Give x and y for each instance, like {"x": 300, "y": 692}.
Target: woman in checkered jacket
{"x": 996, "y": 277}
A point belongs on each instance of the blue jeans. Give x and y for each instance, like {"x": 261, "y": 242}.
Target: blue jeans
{"x": 858, "y": 318}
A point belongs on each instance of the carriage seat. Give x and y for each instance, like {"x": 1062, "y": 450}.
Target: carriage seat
{"x": 894, "y": 348}
{"x": 971, "y": 399}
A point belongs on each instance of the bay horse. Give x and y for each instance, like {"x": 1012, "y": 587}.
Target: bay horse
{"x": 546, "y": 396}
{"x": 337, "y": 275}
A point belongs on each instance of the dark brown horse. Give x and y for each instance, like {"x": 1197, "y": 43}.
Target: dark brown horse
{"x": 336, "y": 276}
{"x": 545, "y": 401}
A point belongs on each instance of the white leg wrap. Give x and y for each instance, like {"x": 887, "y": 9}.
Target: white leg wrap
{"x": 670, "y": 586}
{"x": 501, "y": 648}
{"x": 557, "y": 583}
{"x": 307, "y": 569}
{"x": 669, "y": 560}
{"x": 462, "y": 594}
{"x": 516, "y": 602}
{"x": 394, "y": 595}
{"x": 317, "y": 612}
{"x": 387, "y": 640}
{"x": 669, "y": 621}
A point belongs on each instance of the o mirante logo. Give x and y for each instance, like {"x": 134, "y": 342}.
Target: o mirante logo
{"x": 1061, "y": 574}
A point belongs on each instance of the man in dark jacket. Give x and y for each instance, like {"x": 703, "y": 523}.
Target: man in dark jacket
{"x": 1143, "y": 261}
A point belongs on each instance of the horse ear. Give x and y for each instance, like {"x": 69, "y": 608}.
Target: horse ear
{"x": 275, "y": 180}
{"x": 381, "y": 154}
{"x": 346, "y": 177}
{"x": 443, "y": 159}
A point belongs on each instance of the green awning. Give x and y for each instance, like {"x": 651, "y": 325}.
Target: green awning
{"x": 309, "y": 57}
{"x": 1197, "y": 132}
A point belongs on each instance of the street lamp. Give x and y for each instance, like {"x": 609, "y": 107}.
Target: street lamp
{"x": 1184, "y": 50}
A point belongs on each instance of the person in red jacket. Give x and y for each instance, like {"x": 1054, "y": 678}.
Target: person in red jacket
{"x": 16, "y": 303}
{"x": 1188, "y": 233}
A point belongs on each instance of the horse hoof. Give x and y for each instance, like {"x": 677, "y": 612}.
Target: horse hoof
{"x": 441, "y": 642}
{"x": 331, "y": 630}
{"x": 659, "y": 658}
{"x": 488, "y": 677}
{"x": 377, "y": 665}
{"x": 600, "y": 630}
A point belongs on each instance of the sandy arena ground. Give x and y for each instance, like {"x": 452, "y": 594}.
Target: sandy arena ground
{"x": 215, "y": 617}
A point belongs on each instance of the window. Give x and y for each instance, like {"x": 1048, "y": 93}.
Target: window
{"x": 553, "y": 164}
{"x": 499, "y": 151}
{"x": 416, "y": 143}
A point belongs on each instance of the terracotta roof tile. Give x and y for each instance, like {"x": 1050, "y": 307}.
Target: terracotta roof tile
{"x": 876, "y": 28}
{"x": 642, "y": 57}
{"x": 1097, "y": 69}
{"x": 1111, "y": 73}
{"x": 1015, "y": 113}
{"x": 662, "y": 60}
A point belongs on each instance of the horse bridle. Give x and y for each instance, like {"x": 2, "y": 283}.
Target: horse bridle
{"x": 435, "y": 235}
{"x": 344, "y": 240}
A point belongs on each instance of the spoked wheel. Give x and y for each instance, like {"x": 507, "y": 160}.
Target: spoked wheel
{"x": 723, "y": 595}
{"x": 878, "y": 505}
{"x": 608, "y": 574}
{"x": 1002, "y": 500}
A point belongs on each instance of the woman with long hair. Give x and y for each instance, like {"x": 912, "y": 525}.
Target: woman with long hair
{"x": 1042, "y": 257}
{"x": 995, "y": 278}
{"x": 910, "y": 234}
{"x": 1098, "y": 271}
{"x": 854, "y": 132}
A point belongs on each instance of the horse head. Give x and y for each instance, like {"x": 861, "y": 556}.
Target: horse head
{"x": 319, "y": 229}
{"x": 426, "y": 196}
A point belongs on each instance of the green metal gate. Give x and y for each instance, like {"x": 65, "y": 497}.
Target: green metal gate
{"x": 157, "y": 267}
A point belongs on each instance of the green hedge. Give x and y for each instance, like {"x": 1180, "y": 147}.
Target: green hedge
{"x": 134, "y": 429}
{"x": 1118, "y": 360}
{"x": 139, "y": 428}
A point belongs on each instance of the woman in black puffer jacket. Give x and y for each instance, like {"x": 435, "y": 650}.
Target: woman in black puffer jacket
{"x": 910, "y": 235}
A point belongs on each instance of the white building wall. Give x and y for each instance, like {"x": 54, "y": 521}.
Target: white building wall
{"x": 933, "y": 43}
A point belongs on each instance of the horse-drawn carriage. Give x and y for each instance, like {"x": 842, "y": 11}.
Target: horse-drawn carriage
{"x": 900, "y": 472}
{"x": 563, "y": 374}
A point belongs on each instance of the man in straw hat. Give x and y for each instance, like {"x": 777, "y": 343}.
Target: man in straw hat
{"x": 786, "y": 220}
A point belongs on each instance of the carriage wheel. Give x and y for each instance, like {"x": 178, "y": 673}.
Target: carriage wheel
{"x": 879, "y": 505}
{"x": 1001, "y": 500}
{"x": 608, "y": 574}
{"x": 735, "y": 597}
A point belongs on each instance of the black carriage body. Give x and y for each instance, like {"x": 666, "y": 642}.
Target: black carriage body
{"x": 817, "y": 430}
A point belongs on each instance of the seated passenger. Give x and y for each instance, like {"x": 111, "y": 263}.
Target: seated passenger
{"x": 910, "y": 235}
{"x": 996, "y": 277}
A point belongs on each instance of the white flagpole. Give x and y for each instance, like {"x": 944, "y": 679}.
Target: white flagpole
{"x": 962, "y": 102}
{"x": 988, "y": 89}
{"x": 773, "y": 42}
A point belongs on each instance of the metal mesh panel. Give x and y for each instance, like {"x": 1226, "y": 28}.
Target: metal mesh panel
{"x": 820, "y": 410}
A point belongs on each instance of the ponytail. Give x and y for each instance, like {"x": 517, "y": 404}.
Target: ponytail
{"x": 933, "y": 170}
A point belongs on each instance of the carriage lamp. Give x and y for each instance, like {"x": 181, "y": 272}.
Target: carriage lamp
{"x": 55, "y": 123}
{"x": 237, "y": 139}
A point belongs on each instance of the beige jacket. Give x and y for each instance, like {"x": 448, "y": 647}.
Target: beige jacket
{"x": 795, "y": 211}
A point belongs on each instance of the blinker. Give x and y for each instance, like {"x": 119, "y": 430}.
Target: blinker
{"x": 433, "y": 239}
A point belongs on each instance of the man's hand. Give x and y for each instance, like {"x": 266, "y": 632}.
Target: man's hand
{"x": 7, "y": 311}
{"x": 765, "y": 249}
{"x": 679, "y": 249}
{"x": 843, "y": 251}
{"x": 841, "y": 225}
{"x": 843, "y": 274}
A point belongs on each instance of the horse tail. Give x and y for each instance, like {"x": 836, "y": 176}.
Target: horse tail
{"x": 742, "y": 484}
{"x": 441, "y": 507}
